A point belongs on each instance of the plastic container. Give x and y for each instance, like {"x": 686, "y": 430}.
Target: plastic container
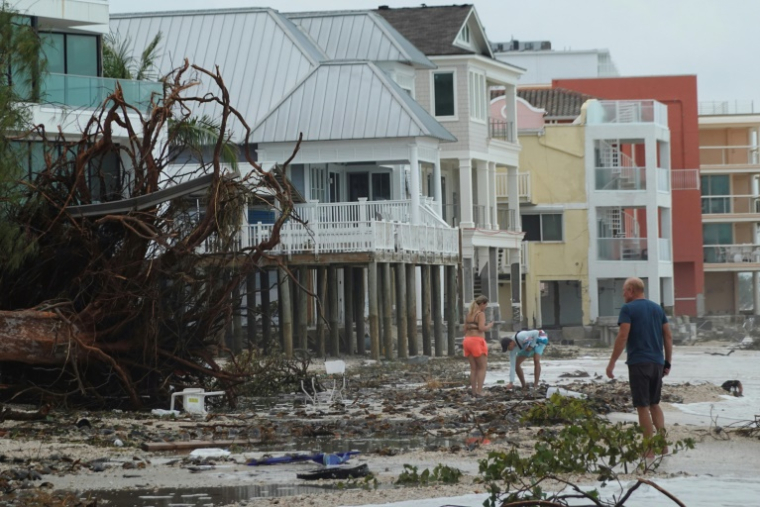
{"x": 564, "y": 392}
{"x": 194, "y": 399}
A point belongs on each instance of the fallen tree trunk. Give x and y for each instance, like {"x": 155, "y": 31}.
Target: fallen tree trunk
{"x": 39, "y": 338}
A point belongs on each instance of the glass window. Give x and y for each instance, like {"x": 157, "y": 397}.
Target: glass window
{"x": 443, "y": 91}
{"x": 717, "y": 234}
{"x": 81, "y": 55}
{"x": 542, "y": 227}
{"x": 381, "y": 187}
{"x": 477, "y": 96}
{"x": 53, "y": 47}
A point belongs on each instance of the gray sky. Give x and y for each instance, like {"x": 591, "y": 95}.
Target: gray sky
{"x": 710, "y": 38}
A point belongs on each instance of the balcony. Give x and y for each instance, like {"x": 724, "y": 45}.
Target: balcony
{"x": 501, "y": 129}
{"x": 352, "y": 227}
{"x": 627, "y": 111}
{"x": 89, "y": 92}
{"x": 622, "y": 249}
{"x": 730, "y": 208}
{"x": 722, "y": 255}
{"x": 523, "y": 186}
{"x": 684, "y": 179}
{"x": 507, "y": 219}
{"x": 727, "y": 158}
{"x": 620, "y": 178}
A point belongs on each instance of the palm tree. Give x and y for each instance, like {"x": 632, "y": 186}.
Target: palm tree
{"x": 118, "y": 63}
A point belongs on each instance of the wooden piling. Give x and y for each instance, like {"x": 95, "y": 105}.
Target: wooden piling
{"x": 266, "y": 314}
{"x": 386, "y": 296}
{"x": 302, "y": 302}
{"x": 286, "y": 315}
{"x": 411, "y": 308}
{"x": 332, "y": 307}
{"x": 401, "y": 309}
{"x": 348, "y": 310}
{"x": 435, "y": 299}
{"x": 452, "y": 318}
{"x": 374, "y": 317}
{"x": 250, "y": 289}
{"x": 321, "y": 310}
{"x": 426, "y": 331}
{"x": 359, "y": 299}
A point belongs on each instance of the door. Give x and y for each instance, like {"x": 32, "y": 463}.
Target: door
{"x": 358, "y": 186}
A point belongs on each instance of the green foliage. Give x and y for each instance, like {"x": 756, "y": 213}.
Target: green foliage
{"x": 118, "y": 63}
{"x": 195, "y": 133}
{"x": 558, "y": 409}
{"x": 591, "y": 445}
{"x": 441, "y": 474}
{"x": 367, "y": 483}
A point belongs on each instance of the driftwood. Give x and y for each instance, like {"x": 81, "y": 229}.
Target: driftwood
{"x": 8, "y": 414}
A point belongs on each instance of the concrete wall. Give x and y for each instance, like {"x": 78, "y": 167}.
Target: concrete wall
{"x": 543, "y": 66}
{"x": 720, "y": 297}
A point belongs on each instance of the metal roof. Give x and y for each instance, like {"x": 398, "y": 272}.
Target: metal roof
{"x": 356, "y": 35}
{"x": 234, "y": 40}
{"x": 348, "y": 100}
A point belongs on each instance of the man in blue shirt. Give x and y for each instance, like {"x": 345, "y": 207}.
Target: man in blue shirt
{"x": 644, "y": 333}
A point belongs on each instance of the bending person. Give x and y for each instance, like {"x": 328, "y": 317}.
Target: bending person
{"x": 526, "y": 343}
{"x": 474, "y": 344}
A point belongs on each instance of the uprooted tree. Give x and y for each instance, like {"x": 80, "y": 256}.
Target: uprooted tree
{"x": 141, "y": 288}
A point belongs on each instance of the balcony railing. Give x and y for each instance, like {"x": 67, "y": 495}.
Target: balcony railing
{"x": 627, "y": 111}
{"x": 620, "y": 178}
{"x": 729, "y": 156}
{"x": 348, "y": 237}
{"x": 480, "y": 216}
{"x": 501, "y": 129}
{"x": 622, "y": 249}
{"x": 730, "y": 204}
{"x": 507, "y": 219}
{"x": 728, "y": 107}
{"x": 89, "y": 92}
{"x": 523, "y": 186}
{"x": 684, "y": 179}
{"x": 504, "y": 260}
{"x": 732, "y": 254}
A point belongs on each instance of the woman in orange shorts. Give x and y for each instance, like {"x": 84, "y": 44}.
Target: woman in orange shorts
{"x": 474, "y": 344}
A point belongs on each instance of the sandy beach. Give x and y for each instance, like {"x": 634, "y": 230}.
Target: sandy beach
{"x": 408, "y": 397}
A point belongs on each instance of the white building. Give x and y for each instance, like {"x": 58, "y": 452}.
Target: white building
{"x": 542, "y": 64}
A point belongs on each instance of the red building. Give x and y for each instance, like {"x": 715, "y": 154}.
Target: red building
{"x": 679, "y": 93}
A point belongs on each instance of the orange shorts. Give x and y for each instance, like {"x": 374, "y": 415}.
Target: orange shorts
{"x": 474, "y": 346}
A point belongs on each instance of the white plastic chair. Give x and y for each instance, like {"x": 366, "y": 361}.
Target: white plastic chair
{"x": 335, "y": 371}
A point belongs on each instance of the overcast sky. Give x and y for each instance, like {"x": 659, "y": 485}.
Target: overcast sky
{"x": 714, "y": 39}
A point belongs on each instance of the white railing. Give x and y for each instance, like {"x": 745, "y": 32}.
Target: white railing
{"x": 663, "y": 179}
{"x": 429, "y": 215}
{"x": 392, "y": 211}
{"x": 504, "y": 260}
{"x": 501, "y": 129}
{"x": 684, "y": 179}
{"x": 348, "y": 237}
{"x": 729, "y": 155}
{"x": 732, "y": 254}
{"x": 665, "y": 250}
{"x": 620, "y": 178}
{"x": 480, "y": 215}
{"x": 712, "y": 108}
{"x": 627, "y": 111}
{"x": 507, "y": 219}
{"x": 523, "y": 185}
{"x": 730, "y": 204}
{"x": 524, "y": 259}
{"x": 622, "y": 249}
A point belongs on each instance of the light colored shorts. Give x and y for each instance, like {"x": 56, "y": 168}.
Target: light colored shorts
{"x": 475, "y": 346}
{"x": 538, "y": 349}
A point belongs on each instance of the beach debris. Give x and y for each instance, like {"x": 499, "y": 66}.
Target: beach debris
{"x": 336, "y": 473}
{"x": 327, "y": 459}
{"x": 575, "y": 374}
{"x": 563, "y": 392}
{"x": 210, "y": 453}
{"x": 8, "y": 414}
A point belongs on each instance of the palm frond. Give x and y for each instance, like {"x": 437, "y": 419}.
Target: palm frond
{"x": 148, "y": 59}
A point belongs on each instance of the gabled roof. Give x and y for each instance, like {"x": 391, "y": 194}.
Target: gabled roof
{"x": 344, "y": 101}
{"x": 357, "y": 35}
{"x": 232, "y": 39}
{"x": 433, "y": 29}
{"x": 559, "y": 103}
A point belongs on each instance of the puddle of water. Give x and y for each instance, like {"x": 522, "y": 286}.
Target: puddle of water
{"x": 199, "y": 497}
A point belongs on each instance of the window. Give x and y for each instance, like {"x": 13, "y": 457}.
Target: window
{"x": 477, "y": 96}
{"x": 318, "y": 181}
{"x": 464, "y": 35}
{"x": 444, "y": 96}
{"x": 542, "y": 227}
{"x": 69, "y": 53}
{"x": 718, "y": 186}
{"x": 717, "y": 234}
{"x": 381, "y": 187}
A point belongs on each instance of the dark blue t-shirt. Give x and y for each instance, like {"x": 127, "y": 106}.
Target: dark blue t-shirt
{"x": 645, "y": 340}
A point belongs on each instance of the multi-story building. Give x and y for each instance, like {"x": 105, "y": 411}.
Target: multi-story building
{"x": 598, "y": 209}
{"x": 73, "y": 85}
{"x": 542, "y": 64}
{"x": 679, "y": 94}
{"x": 730, "y": 177}
{"x": 457, "y": 94}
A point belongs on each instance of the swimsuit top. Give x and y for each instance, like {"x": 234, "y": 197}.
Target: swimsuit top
{"x": 471, "y": 325}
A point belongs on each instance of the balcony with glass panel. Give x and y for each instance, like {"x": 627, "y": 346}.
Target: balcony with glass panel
{"x": 89, "y": 92}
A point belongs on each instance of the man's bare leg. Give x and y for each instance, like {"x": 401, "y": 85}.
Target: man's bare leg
{"x": 645, "y": 421}
{"x": 658, "y": 419}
